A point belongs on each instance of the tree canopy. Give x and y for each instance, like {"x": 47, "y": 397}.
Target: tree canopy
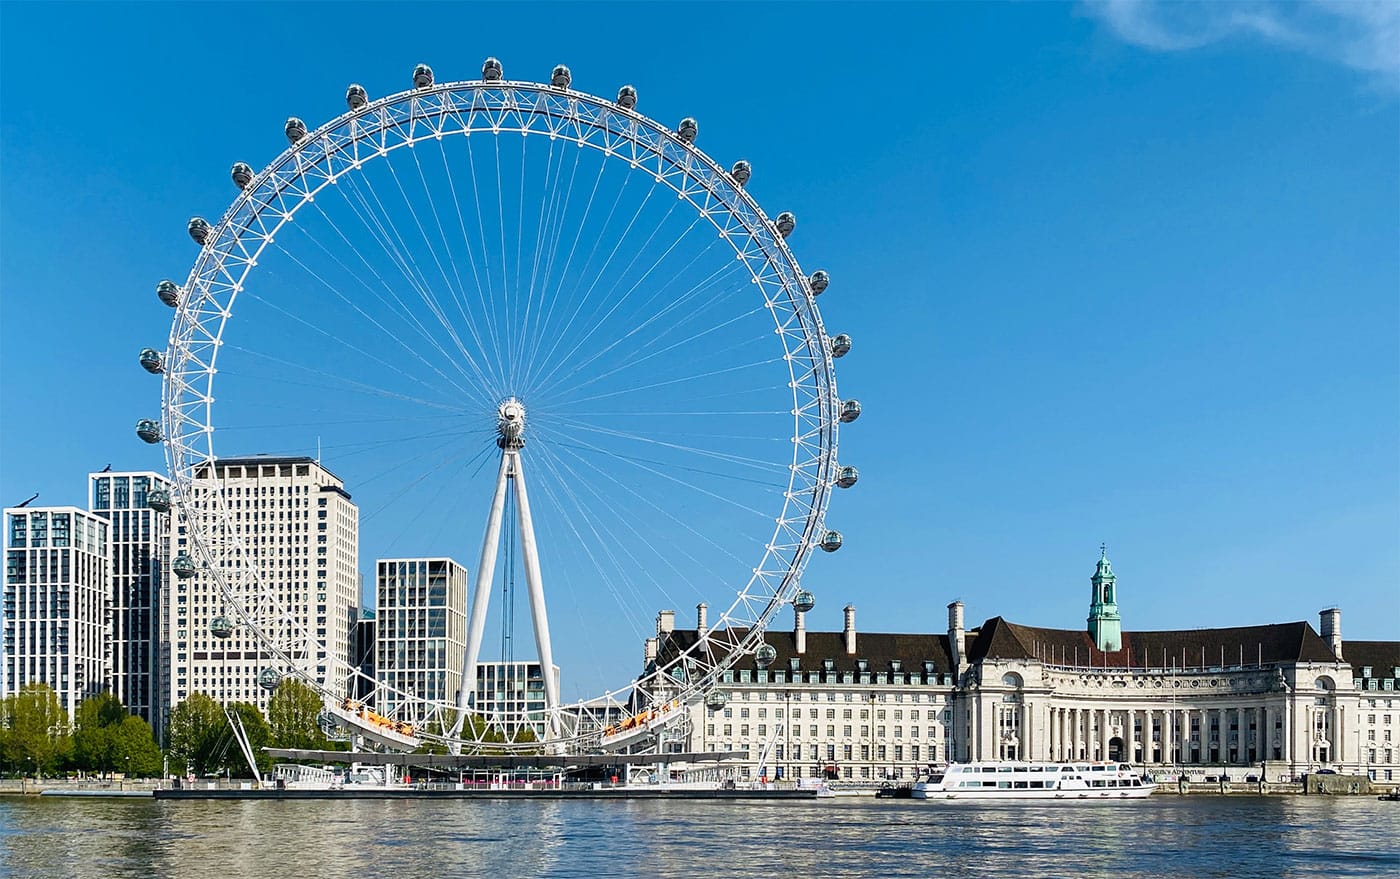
{"x": 35, "y": 730}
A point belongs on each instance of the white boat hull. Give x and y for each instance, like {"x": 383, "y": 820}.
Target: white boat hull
{"x": 1092, "y": 794}
{"x": 1092, "y": 781}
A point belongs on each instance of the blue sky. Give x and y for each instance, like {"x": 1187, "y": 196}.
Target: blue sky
{"x": 1116, "y": 273}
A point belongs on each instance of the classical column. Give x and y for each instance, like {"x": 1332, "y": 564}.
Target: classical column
{"x": 1104, "y": 730}
{"x": 1339, "y": 752}
{"x": 1130, "y": 736}
{"x": 1266, "y": 734}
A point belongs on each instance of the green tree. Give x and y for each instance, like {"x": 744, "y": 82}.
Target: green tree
{"x": 194, "y": 732}
{"x": 292, "y": 713}
{"x": 36, "y": 725}
{"x": 98, "y": 717}
{"x": 134, "y": 748}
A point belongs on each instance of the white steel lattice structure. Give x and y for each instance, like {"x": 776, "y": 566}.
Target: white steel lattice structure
{"x": 509, "y": 345}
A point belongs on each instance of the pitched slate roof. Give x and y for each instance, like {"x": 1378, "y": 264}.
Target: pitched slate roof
{"x": 1236, "y": 645}
{"x": 878, "y": 649}
{"x": 1382, "y": 657}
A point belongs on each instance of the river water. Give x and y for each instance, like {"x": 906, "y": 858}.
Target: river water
{"x": 1195, "y": 837}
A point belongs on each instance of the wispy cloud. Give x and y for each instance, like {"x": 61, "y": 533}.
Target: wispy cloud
{"x": 1361, "y": 34}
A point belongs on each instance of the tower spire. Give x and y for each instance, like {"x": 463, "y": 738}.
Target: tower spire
{"x": 1105, "y": 626}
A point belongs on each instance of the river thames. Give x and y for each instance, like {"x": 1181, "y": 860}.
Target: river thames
{"x": 1162, "y": 837}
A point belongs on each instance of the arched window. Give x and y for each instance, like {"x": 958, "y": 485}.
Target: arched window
{"x": 1011, "y": 679}
{"x": 1324, "y": 683}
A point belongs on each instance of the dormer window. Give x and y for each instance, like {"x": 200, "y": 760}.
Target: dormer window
{"x": 862, "y": 665}
{"x": 794, "y": 663}
{"x": 829, "y": 664}
{"x": 896, "y": 665}
{"x": 1365, "y": 671}
{"x": 928, "y": 667}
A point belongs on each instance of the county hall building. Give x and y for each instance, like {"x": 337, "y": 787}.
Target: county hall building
{"x": 1278, "y": 699}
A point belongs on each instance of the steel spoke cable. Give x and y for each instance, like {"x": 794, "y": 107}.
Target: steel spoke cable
{"x": 381, "y": 236}
{"x": 556, "y": 446}
{"x": 486, "y": 294}
{"x": 379, "y": 326}
{"x": 617, "y": 302}
{"x": 459, "y": 291}
{"x": 743, "y": 461}
{"x": 545, "y": 202}
{"x": 430, "y": 299}
{"x": 588, "y": 546}
{"x": 386, "y": 236}
{"x": 553, "y": 296}
{"x": 653, "y": 338}
{"x": 597, "y": 276}
{"x": 556, "y": 237}
{"x": 675, "y": 381}
{"x": 649, "y": 542}
{"x": 349, "y": 384}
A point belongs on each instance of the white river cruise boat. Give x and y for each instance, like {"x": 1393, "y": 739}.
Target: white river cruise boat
{"x": 1035, "y": 781}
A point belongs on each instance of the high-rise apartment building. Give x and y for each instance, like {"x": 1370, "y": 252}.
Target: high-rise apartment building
{"x": 56, "y": 599}
{"x": 422, "y": 629}
{"x": 138, "y": 544}
{"x": 512, "y": 695}
{"x": 299, "y": 529}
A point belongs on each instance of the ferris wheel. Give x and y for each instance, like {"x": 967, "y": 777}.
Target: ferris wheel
{"x": 453, "y": 288}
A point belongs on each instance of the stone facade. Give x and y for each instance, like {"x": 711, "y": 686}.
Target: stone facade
{"x": 1275, "y": 699}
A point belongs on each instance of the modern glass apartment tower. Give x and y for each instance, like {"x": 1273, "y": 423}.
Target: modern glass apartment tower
{"x": 57, "y": 593}
{"x": 422, "y": 625}
{"x": 139, "y": 544}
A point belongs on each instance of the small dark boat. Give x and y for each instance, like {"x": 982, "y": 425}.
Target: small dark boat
{"x": 1393, "y": 796}
{"x": 891, "y": 792}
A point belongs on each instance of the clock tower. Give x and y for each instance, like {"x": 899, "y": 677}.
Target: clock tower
{"x": 1105, "y": 627}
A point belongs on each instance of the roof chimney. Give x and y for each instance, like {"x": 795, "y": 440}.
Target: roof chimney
{"x": 1332, "y": 629}
{"x": 649, "y": 653}
{"x": 957, "y": 638}
{"x": 666, "y": 622}
{"x": 850, "y": 630}
{"x": 702, "y": 619}
{"x": 800, "y": 632}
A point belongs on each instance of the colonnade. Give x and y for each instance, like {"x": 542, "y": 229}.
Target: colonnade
{"x": 1176, "y": 734}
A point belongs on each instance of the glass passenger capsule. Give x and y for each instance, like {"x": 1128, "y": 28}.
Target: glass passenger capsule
{"x": 847, "y": 477}
{"x": 168, "y": 292}
{"x": 151, "y": 361}
{"x": 183, "y": 566}
{"x": 803, "y": 601}
{"x": 356, "y": 96}
{"x": 422, "y": 76}
{"x": 841, "y": 345}
{"x": 561, "y": 77}
{"x": 850, "y": 411}
{"x": 831, "y": 541}
{"x": 149, "y": 430}
{"x": 741, "y": 172}
{"x": 627, "y": 97}
{"x": 716, "y": 700}
{"x": 765, "y": 655}
{"x": 785, "y": 223}
{"x": 221, "y": 627}
{"x": 159, "y": 500}
{"x": 688, "y": 129}
{"x": 242, "y": 174}
{"x": 199, "y": 230}
{"x": 269, "y": 678}
{"x": 296, "y": 129}
{"x": 820, "y": 280}
{"x": 491, "y": 69}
